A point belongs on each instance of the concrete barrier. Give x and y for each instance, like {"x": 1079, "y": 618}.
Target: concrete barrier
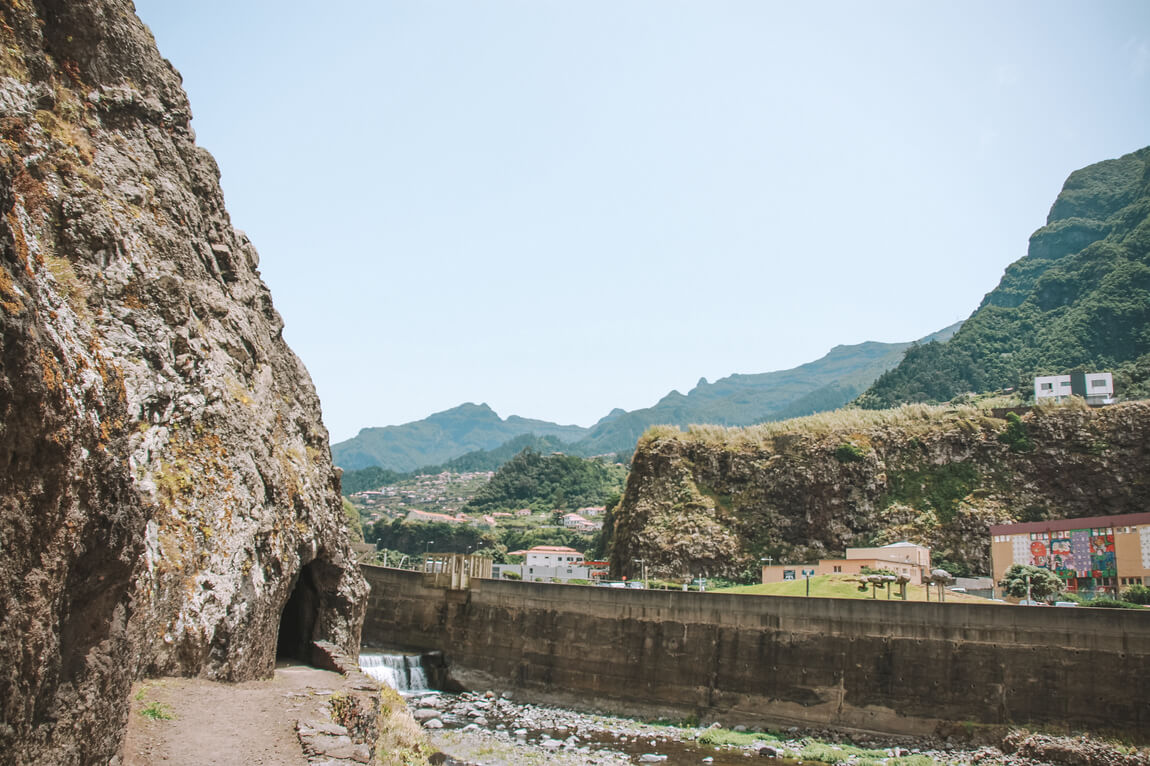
{"x": 882, "y": 666}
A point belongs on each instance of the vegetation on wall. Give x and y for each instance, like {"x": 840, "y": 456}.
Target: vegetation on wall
{"x": 1015, "y": 436}
{"x": 939, "y": 488}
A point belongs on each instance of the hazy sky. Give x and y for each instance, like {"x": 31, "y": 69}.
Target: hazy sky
{"x": 562, "y": 207}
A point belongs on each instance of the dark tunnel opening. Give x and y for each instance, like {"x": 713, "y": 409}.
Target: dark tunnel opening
{"x": 297, "y": 622}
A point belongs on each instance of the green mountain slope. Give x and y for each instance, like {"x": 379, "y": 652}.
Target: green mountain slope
{"x": 740, "y": 400}
{"x": 1079, "y": 298}
{"x": 473, "y": 437}
{"x": 441, "y": 437}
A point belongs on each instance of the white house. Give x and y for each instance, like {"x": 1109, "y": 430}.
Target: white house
{"x": 1094, "y": 387}
{"x": 546, "y": 563}
{"x": 553, "y": 555}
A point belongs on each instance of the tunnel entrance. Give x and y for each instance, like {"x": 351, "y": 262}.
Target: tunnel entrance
{"x": 297, "y": 622}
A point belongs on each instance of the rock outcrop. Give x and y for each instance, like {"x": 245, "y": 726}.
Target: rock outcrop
{"x": 167, "y": 499}
{"x": 713, "y": 501}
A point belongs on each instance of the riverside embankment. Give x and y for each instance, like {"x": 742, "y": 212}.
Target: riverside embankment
{"x": 897, "y": 668}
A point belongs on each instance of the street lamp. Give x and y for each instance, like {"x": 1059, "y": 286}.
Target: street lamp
{"x": 764, "y": 561}
{"x": 643, "y": 564}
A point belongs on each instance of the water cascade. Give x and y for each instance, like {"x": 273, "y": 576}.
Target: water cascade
{"x": 402, "y": 672}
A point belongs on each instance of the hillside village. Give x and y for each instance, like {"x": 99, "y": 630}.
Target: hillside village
{"x": 440, "y": 498}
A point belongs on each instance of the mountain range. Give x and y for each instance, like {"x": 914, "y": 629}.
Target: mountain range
{"x": 737, "y": 400}
{"x": 1080, "y": 298}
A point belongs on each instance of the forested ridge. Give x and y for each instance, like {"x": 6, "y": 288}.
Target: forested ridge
{"x": 548, "y": 482}
{"x": 1080, "y": 298}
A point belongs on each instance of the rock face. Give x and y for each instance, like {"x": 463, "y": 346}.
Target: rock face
{"x": 166, "y": 488}
{"x": 713, "y": 501}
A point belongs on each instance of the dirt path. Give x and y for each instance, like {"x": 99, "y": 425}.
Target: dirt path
{"x": 219, "y": 724}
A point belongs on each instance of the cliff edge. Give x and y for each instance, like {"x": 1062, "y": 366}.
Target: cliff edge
{"x": 167, "y": 499}
{"x": 713, "y": 501}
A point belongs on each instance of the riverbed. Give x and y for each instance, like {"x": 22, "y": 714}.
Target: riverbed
{"x": 493, "y": 728}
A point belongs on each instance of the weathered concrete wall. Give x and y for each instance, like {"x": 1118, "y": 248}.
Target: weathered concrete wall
{"x": 873, "y": 665}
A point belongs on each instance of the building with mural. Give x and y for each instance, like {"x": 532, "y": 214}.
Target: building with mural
{"x": 1100, "y": 553}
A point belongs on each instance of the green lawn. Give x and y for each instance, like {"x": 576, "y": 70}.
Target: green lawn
{"x": 843, "y": 586}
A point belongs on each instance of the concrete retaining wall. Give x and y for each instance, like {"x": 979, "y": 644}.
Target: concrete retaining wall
{"x": 888, "y": 666}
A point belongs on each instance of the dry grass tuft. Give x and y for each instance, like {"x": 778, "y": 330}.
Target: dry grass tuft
{"x": 401, "y": 742}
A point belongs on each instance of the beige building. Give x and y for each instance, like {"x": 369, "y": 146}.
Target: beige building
{"x": 1099, "y": 553}
{"x": 901, "y": 558}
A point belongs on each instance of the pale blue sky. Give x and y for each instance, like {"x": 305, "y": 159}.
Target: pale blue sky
{"x": 560, "y": 208}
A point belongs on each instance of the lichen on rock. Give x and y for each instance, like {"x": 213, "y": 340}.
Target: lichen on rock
{"x": 167, "y": 488}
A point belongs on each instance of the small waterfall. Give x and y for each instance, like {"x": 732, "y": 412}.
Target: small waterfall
{"x": 402, "y": 672}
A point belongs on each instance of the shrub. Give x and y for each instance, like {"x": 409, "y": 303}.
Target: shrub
{"x": 1136, "y": 594}
{"x": 1015, "y": 436}
{"x": 849, "y": 453}
{"x": 1112, "y": 603}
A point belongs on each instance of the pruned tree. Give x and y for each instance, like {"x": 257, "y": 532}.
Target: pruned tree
{"x": 1022, "y": 580}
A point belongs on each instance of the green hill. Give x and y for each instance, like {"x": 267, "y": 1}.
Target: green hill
{"x": 441, "y": 437}
{"x": 1080, "y": 298}
{"x": 548, "y": 482}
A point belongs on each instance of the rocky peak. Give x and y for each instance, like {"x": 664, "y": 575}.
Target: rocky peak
{"x": 167, "y": 492}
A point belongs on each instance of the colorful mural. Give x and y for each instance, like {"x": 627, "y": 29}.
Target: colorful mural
{"x": 1061, "y": 557}
{"x": 1075, "y": 553}
{"x": 1038, "y": 551}
{"x": 1102, "y": 560}
{"x": 1080, "y": 551}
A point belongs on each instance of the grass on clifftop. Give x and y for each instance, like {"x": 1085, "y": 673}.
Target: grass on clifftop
{"x": 910, "y": 417}
{"x": 844, "y": 586}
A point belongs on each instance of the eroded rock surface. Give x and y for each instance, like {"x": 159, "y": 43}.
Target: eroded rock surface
{"x": 713, "y": 501}
{"x": 165, "y": 479}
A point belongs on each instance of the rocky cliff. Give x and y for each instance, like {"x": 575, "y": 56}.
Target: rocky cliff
{"x": 166, "y": 488}
{"x": 713, "y": 501}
